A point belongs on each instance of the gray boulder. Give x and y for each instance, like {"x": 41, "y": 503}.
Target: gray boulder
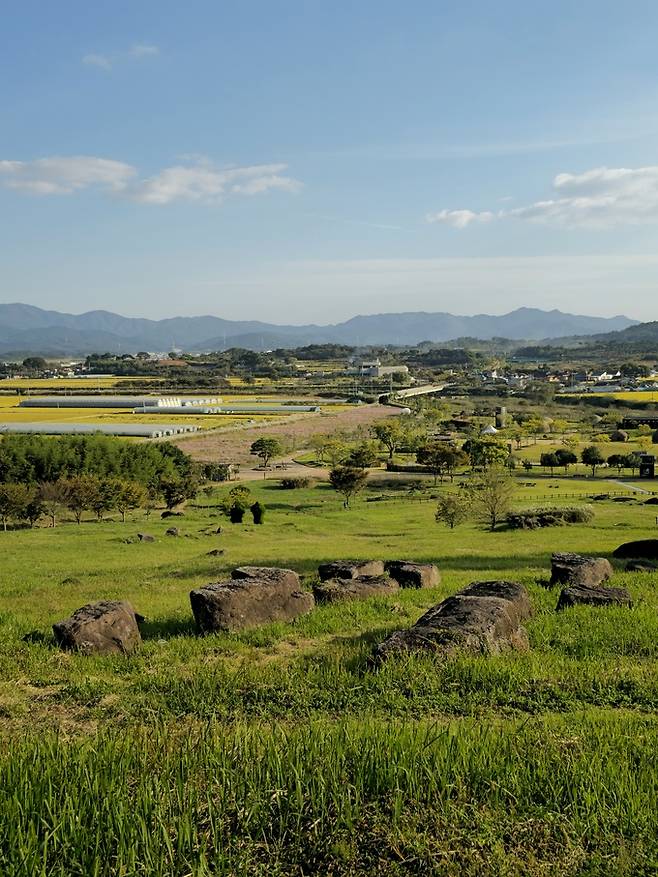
{"x": 268, "y": 573}
{"x": 145, "y": 537}
{"x": 596, "y": 596}
{"x": 336, "y": 590}
{"x": 413, "y": 575}
{"x": 172, "y": 531}
{"x": 574, "y": 569}
{"x": 248, "y": 600}
{"x": 483, "y": 619}
{"x": 347, "y": 569}
{"x": 642, "y": 548}
{"x": 108, "y": 627}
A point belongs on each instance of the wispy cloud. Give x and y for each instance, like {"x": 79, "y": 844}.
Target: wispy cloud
{"x": 139, "y": 51}
{"x": 144, "y": 50}
{"x": 598, "y": 198}
{"x": 94, "y": 60}
{"x": 200, "y": 181}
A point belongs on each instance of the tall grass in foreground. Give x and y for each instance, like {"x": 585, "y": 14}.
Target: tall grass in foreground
{"x": 555, "y": 796}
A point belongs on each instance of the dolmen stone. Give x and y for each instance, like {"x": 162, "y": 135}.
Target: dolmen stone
{"x": 413, "y": 575}
{"x": 336, "y": 590}
{"x": 145, "y": 537}
{"x": 172, "y": 531}
{"x": 641, "y": 566}
{"x": 254, "y": 596}
{"x": 593, "y": 596}
{"x": 642, "y": 548}
{"x": 348, "y": 569}
{"x": 108, "y": 627}
{"x": 574, "y": 569}
{"x": 485, "y": 618}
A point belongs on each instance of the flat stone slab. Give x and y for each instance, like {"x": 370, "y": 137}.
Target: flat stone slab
{"x": 337, "y": 590}
{"x": 483, "y": 619}
{"x": 108, "y": 627}
{"x": 576, "y": 595}
{"x": 413, "y": 575}
{"x": 268, "y": 574}
{"x": 145, "y": 537}
{"x": 642, "y": 548}
{"x": 576, "y": 569}
{"x": 240, "y": 603}
{"x": 350, "y": 569}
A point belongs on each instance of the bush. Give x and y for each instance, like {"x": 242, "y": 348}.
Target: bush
{"x": 533, "y": 519}
{"x": 258, "y": 512}
{"x": 294, "y": 483}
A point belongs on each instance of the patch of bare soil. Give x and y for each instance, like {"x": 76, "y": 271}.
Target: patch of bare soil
{"x": 232, "y": 445}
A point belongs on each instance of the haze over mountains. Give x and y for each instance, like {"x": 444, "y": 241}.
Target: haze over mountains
{"x": 26, "y": 329}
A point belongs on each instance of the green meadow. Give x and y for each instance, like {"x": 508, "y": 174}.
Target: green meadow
{"x": 280, "y": 750}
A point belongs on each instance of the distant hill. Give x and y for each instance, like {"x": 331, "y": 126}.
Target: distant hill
{"x": 27, "y": 329}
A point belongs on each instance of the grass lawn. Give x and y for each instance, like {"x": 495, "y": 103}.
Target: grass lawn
{"x": 279, "y": 751}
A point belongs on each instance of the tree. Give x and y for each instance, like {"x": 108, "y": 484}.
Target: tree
{"x": 632, "y": 462}
{"x": 492, "y": 493}
{"x": 549, "y": 460}
{"x": 236, "y": 502}
{"x": 452, "y": 509}
{"x": 348, "y": 481}
{"x": 52, "y": 495}
{"x": 571, "y": 441}
{"x": 565, "y": 458}
{"x": 81, "y": 491}
{"x": 130, "y": 495}
{"x": 335, "y": 450}
{"x": 440, "y": 459}
{"x": 527, "y": 465}
{"x": 266, "y": 448}
{"x": 104, "y": 500}
{"x": 14, "y": 499}
{"x": 485, "y": 452}
{"x": 592, "y": 456}
{"x": 35, "y": 363}
{"x": 362, "y": 456}
{"x": 617, "y": 461}
{"x": 176, "y": 490}
{"x": 390, "y": 434}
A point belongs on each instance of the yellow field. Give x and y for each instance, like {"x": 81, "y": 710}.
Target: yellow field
{"x": 628, "y": 395}
{"x": 42, "y": 385}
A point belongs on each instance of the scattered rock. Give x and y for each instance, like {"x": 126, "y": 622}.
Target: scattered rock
{"x": 248, "y": 602}
{"x": 593, "y": 596}
{"x": 71, "y": 580}
{"x": 108, "y": 627}
{"x": 484, "y": 618}
{"x": 642, "y": 548}
{"x": 144, "y": 537}
{"x": 574, "y": 569}
{"x": 641, "y": 566}
{"x": 170, "y": 514}
{"x": 346, "y": 569}
{"x": 624, "y": 499}
{"x": 216, "y": 552}
{"x": 336, "y": 590}
{"x": 35, "y": 636}
{"x": 172, "y": 531}
{"x": 413, "y": 575}
{"x": 653, "y": 500}
{"x": 269, "y": 574}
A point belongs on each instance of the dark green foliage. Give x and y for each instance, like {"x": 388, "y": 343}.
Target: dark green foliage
{"x": 32, "y": 459}
{"x": 532, "y": 519}
{"x": 258, "y": 512}
{"x": 294, "y": 483}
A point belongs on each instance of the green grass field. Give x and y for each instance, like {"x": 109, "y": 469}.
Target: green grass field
{"x": 279, "y": 751}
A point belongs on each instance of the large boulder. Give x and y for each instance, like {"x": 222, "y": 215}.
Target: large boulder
{"x": 574, "y": 569}
{"x": 249, "y": 601}
{"x": 268, "y": 573}
{"x": 596, "y": 596}
{"x": 350, "y": 569}
{"x": 641, "y": 566}
{"x": 413, "y": 575}
{"x": 337, "y": 590}
{"x": 108, "y": 627}
{"x": 483, "y": 619}
{"x": 642, "y": 548}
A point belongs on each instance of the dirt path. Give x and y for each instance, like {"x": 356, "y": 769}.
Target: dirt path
{"x": 232, "y": 445}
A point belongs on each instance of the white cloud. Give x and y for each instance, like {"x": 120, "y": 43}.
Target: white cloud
{"x": 459, "y": 218}
{"x": 201, "y": 181}
{"x": 94, "y": 60}
{"x": 598, "y": 198}
{"x": 64, "y": 175}
{"x": 144, "y": 50}
{"x": 204, "y": 182}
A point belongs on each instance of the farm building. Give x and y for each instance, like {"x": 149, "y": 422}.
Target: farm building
{"x": 132, "y": 430}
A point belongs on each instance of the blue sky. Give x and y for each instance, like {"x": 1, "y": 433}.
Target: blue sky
{"x": 307, "y": 161}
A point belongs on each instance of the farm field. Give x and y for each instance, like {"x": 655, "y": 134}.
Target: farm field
{"x": 280, "y": 750}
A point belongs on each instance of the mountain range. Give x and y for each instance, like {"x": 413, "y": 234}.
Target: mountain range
{"x": 25, "y": 329}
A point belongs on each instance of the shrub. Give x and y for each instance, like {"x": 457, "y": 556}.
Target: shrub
{"x": 294, "y": 483}
{"x": 258, "y": 512}
{"x": 533, "y": 519}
